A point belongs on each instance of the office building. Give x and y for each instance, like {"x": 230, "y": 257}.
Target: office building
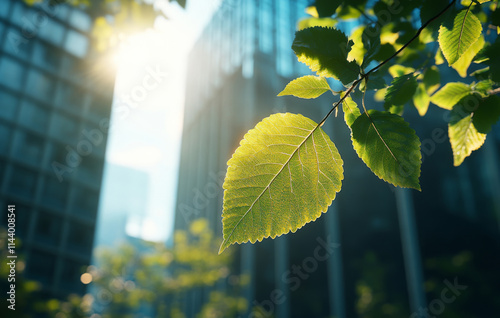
{"x": 383, "y": 244}
{"x": 53, "y": 138}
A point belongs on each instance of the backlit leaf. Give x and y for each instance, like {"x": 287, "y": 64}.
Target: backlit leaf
{"x": 456, "y": 37}
{"x": 464, "y": 137}
{"x": 306, "y": 87}
{"x": 401, "y": 90}
{"x": 421, "y": 100}
{"x": 463, "y": 63}
{"x": 285, "y": 174}
{"x": 389, "y": 147}
{"x": 450, "y": 95}
{"x": 325, "y": 51}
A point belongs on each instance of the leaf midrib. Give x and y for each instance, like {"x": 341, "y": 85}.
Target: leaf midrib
{"x": 270, "y": 182}
{"x": 462, "y": 31}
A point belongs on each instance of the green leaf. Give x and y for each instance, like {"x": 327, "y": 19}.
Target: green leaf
{"x": 389, "y": 147}
{"x": 463, "y": 63}
{"x": 450, "y": 95}
{"x": 306, "y": 87}
{"x": 431, "y": 79}
{"x": 457, "y": 38}
{"x": 285, "y": 174}
{"x": 400, "y": 70}
{"x": 351, "y": 111}
{"x": 487, "y": 114}
{"x": 325, "y": 51}
{"x": 401, "y": 90}
{"x": 464, "y": 137}
{"x": 421, "y": 100}
{"x": 492, "y": 53}
{"x": 327, "y": 8}
{"x": 312, "y": 22}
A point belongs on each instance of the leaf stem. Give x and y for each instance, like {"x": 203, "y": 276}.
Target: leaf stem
{"x": 363, "y": 76}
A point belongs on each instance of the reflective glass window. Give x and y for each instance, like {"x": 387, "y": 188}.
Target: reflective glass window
{"x": 28, "y": 147}
{"x": 48, "y": 228}
{"x": 40, "y": 266}
{"x": 76, "y": 43}
{"x": 46, "y": 56}
{"x": 5, "y": 133}
{"x": 80, "y": 20}
{"x": 33, "y": 116}
{"x": 64, "y": 128}
{"x": 52, "y": 31}
{"x": 54, "y": 193}
{"x": 8, "y": 105}
{"x": 10, "y": 73}
{"x": 40, "y": 85}
{"x": 4, "y": 8}
{"x": 22, "y": 182}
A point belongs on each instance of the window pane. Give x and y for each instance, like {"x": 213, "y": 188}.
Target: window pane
{"x": 10, "y": 73}
{"x": 28, "y": 147}
{"x": 33, "y": 116}
{"x": 40, "y": 266}
{"x": 48, "y": 228}
{"x": 39, "y": 86}
{"x": 64, "y": 128}
{"x": 76, "y": 43}
{"x": 52, "y": 32}
{"x": 22, "y": 182}
{"x": 5, "y": 132}
{"x": 90, "y": 170}
{"x": 69, "y": 97}
{"x": 54, "y": 193}
{"x": 80, "y": 238}
{"x": 45, "y": 56}
{"x": 85, "y": 202}
{"x": 18, "y": 45}
{"x": 80, "y": 20}
{"x": 8, "y": 105}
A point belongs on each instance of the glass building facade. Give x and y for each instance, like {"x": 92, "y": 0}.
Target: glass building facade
{"x": 379, "y": 251}
{"x": 52, "y": 114}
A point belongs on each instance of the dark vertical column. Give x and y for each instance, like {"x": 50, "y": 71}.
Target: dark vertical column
{"x": 281, "y": 261}
{"x": 334, "y": 263}
{"x": 411, "y": 251}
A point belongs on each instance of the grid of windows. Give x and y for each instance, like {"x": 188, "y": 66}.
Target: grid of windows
{"x": 44, "y": 110}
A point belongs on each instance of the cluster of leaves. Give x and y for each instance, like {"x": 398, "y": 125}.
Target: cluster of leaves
{"x": 287, "y": 171}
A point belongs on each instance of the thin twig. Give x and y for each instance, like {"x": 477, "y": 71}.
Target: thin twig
{"x": 363, "y": 76}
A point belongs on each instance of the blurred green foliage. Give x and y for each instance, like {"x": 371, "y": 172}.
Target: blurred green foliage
{"x": 141, "y": 277}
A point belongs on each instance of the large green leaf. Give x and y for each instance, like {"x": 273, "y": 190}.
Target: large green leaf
{"x": 325, "y": 51}
{"x": 308, "y": 86}
{"x": 450, "y": 95}
{"x": 456, "y": 37}
{"x": 464, "y": 137}
{"x": 285, "y": 174}
{"x": 389, "y": 147}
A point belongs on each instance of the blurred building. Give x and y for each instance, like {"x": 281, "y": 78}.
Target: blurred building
{"x": 388, "y": 251}
{"x": 53, "y": 138}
